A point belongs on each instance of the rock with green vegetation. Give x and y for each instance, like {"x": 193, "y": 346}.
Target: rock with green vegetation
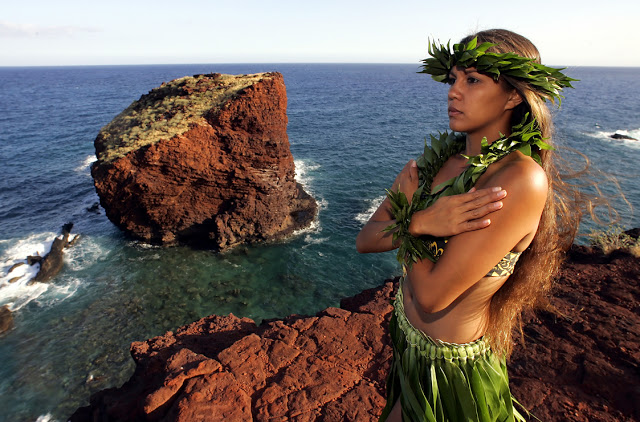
{"x": 205, "y": 160}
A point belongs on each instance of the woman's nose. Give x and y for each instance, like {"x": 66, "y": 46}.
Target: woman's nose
{"x": 454, "y": 91}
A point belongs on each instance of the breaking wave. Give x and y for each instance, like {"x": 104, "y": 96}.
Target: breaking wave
{"x": 16, "y": 288}
{"x": 606, "y": 136}
{"x": 372, "y": 206}
{"x": 304, "y": 175}
{"x": 86, "y": 163}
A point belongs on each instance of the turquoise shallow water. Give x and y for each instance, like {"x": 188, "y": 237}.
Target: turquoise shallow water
{"x": 351, "y": 128}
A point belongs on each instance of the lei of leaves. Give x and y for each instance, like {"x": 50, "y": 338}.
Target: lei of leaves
{"x": 525, "y": 137}
{"x": 546, "y": 80}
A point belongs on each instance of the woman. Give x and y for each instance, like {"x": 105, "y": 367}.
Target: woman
{"x": 457, "y": 302}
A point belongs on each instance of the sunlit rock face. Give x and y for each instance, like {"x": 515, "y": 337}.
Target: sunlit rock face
{"x": 204, "y": 160}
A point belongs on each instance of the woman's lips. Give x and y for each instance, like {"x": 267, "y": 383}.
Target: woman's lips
{"x": 453, "y": 112}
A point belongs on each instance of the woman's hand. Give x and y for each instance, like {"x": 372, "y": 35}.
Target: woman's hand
{"x": 372, "y": 237}
{"x": 407, "y": 180}
{"x": 452, "y": 215}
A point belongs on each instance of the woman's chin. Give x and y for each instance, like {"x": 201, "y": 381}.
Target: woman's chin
{"x": 456, "y": 126}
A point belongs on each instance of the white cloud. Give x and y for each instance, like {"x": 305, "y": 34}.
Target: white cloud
{"x": 26, "y": 30}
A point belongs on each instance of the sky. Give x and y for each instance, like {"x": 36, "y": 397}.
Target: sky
{"x": 82, "y": 32}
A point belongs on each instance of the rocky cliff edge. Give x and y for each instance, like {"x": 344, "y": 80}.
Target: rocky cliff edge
{"x": 579, "y": 362}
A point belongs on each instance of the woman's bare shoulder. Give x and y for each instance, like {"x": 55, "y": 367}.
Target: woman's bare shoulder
{"x": 517, "y": 171}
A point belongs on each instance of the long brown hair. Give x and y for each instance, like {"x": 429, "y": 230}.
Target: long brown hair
{"x": 531, "y": 282}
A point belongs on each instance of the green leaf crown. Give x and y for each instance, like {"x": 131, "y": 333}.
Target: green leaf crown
{"x": 525, "y": 137}
{"x": 547, "y": 81}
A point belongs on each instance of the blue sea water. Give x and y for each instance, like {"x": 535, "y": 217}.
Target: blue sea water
{"x": 351, "y": 127}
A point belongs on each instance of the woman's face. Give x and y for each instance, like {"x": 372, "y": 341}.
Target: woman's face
{"x": 478, "y": 104}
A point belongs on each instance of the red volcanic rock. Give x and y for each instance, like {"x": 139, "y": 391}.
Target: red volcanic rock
{"x": 579, "y": 363}
{"x": 326, "y": 367}
{"x": 205, "y": 160}
{"x": 581, "y": 359}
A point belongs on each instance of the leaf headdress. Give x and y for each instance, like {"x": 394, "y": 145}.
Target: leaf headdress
{"x": 547, "y": 81}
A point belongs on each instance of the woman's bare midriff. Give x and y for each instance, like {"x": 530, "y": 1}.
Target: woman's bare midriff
{"x": 463, "y": 321}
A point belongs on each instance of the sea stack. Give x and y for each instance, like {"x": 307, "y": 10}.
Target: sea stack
{"x": 203, "y": 160}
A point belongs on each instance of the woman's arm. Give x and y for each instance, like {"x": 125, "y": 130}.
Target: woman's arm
{"x": 470, "y": 255}
{"x": 452, "y": 215}
{"x": 371, "y": 238}
{"x": 448, "y": 216}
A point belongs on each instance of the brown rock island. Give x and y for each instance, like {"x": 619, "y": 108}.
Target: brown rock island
{"x": 203, "y": 160}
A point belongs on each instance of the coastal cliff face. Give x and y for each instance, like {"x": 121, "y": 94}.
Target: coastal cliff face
{"x": 204, "y": 160}
{"x": 579, "y": 363}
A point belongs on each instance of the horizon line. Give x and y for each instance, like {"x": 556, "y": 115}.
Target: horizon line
{"x": 266, "y": 63}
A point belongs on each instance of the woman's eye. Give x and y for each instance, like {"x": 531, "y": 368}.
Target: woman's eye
{"x": 451, "y": 80}
{"x": 472, "y": 80}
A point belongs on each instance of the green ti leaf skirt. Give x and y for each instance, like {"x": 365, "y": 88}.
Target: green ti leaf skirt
{"x": 440, "y": 381}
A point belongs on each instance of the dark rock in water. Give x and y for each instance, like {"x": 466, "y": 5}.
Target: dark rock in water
{"x": 95, "y": 208}
{"x": 34, "y": 259}
{"x": 621, "y": 136}
{"x": 203, "y": 160}
{"x": 6, "y": 319}
{"x": 73, "y": 241}
{"x": 51, "y": 263}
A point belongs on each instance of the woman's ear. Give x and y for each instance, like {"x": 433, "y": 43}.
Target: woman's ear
{"x": 514, "y": 100}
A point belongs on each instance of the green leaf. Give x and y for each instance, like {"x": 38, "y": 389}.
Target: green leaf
{"x": 472, "y": 44}
{"x": 525, "y": 149}
{"x": 436, "y": 146}
{"x": 464, "y": 395}
{"x": 477, "y": 388}
{"x": 491, "y": 390}
{"x": 447, "y": 392}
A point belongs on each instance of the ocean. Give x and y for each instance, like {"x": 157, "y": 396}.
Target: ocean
{"x": 352, "y": 127}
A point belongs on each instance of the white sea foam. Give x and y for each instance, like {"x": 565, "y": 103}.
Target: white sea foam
{"x": 86, "y": 163}
{"x": 59, "y": 292}
{"x": 606, "y": 136}
{"x": 303, "y": 172}
{"x": 37, "y": 244}
{"x": 83, "y": 254}
{"x": 45, "y": 418}
{"x": 312, "y": 229}
{"x": 304, "y": 175}
{"x": 226, "y": 261}
{"x": 15, "y": 289}
{"x": 142, "y": 245}
{"x": 312, "y": 239}
{"x": 323, "y": 204}
{"x": 372, "y": 206}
